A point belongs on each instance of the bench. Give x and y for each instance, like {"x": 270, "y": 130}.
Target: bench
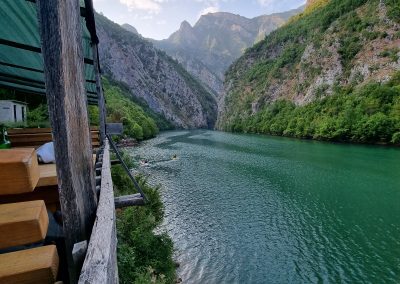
{"x": 21, "y": 224}
{"x": 36, "y": 137}
{"x": 37, "y": 265}
{"x": 45, "y": 187}
{"x": 19, "y": 170}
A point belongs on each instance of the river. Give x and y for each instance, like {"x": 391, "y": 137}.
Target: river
{"x": 259, "y": 209}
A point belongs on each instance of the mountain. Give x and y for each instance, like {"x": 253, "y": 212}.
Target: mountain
{"x": 130, "y": 28}
{"x": 152, "y": 76}
{"x": 331, "y": 73}
{"x": 208, "y": 48}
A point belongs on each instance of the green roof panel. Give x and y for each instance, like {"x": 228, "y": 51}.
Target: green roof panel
{"x": 21, "y": 61}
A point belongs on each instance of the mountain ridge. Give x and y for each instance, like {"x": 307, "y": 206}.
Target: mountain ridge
{"x": 208, "y": 48}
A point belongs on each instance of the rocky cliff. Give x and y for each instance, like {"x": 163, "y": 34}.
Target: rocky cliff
{"x": 208, "y": 48}
{"x": 334, "y": 48}
{"x": 130, "y": 28}
{"x": 154, "y": 77}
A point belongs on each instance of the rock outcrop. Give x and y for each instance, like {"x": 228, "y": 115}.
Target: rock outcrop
{"x": 154, "y": 77}
{"x": 208, "y": 48}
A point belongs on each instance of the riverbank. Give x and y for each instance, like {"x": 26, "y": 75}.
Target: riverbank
{"x": 368, "y": 115}
{"x": 143, "y": 256}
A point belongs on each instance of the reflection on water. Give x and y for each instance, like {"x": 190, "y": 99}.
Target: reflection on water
{"x": 253, "y": 209}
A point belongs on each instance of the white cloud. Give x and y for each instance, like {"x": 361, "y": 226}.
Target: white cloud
{"x": 211, "y": 9}
{"x": 150, "y": 6}
{"x": 266, "y": 3}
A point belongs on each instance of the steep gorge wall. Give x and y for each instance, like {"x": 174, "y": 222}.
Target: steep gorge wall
{"x": 342, "y": 44}
{"x": 154, "y": 77}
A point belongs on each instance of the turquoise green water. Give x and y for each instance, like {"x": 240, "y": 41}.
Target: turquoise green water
{"x": 254, "y": 209}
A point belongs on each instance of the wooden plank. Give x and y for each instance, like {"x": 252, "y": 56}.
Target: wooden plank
{"x": 37, "y": 265}
{"x": 100, "y": 264}
{"x": 46, "y": 137}
{"x": 13, "y": 131}
{"x": 48, "y": 175}
{"x": 22, "y": 223}
{"x": 99, "y": 91}
{"x": 19, "y": 170}
{"x": 128, "y": 200}
{"x": 27, "y": 138}
{"x": 61, "y": 38}
{"x": 37, "y": 140}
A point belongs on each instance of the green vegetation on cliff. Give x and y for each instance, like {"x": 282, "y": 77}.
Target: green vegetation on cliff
{"x": 370, "y": 114}
{"x": 319, "y": 76}
{"x": 143, "y": 256}
{"x": 139, "y": 121}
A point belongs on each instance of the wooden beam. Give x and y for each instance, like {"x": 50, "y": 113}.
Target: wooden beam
{"x": 19, "y": 171}
{"x": 115, "y": 162}
{"x": 100, "y": 95}
{"x": 61, "y": 36}
{"x": 37, "y": 265}
{"x": 128, "y": 200}
{"x": 79, "y": 252}
{"x": 22, "y": 223}
{"x": 100, "y": 264}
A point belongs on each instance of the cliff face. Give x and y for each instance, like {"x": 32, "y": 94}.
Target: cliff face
{"x": 208, "y": 48}
{"x": 329, "y": 47}
{"x": 130, "y": 28}
{"x": 154, "y": 77}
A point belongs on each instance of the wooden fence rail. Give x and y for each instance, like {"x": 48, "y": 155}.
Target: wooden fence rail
{"x": 100, "y": 265}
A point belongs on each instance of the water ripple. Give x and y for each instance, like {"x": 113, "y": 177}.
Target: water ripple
{"x": 252, "y": 209}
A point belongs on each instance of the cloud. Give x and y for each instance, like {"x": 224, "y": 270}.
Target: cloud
{"x": 150, "y": 6}
{"x": 211, "y": 9}
{"x": 265, "y": 2}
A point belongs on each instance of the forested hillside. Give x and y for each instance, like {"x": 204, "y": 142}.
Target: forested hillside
{"x": 331, "y": 73}
{"x": 139, "y": 121}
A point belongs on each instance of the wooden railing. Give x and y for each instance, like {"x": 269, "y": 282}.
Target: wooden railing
{"x": 100, "y": 264}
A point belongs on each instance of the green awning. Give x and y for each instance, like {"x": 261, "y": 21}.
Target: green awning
{"x": 21, "y": 61}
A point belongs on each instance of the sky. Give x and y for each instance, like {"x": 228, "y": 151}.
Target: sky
{"x": 158, "y": 19}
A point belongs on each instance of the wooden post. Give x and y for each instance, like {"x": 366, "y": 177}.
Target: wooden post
{"x": 61, "y": 37}
{"x": 100, "y": 95}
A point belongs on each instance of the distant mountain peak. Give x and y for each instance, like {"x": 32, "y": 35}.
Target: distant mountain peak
{"x": 130, "y": 28}
{"x": 185, "y": 25}
{"x": 208, "y": 47}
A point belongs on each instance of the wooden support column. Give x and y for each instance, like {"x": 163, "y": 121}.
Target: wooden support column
{"x": 61, "y": 37}
{"x": 100, "y": 95}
